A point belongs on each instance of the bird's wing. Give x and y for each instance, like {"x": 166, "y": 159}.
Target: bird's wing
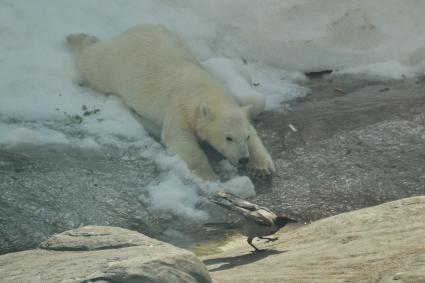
{"x": 261, "y": 217}
{"x": 231, "y": 201}
{"x": 250, "y": 211}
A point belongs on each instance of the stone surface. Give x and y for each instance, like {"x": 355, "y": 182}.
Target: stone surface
{"x": 50, "y": 189}
{"x": 89, "y": 238}
{"x": 384, "y": 243}
{"x": 102, "y": 254}
{"x": 351, "y": 150}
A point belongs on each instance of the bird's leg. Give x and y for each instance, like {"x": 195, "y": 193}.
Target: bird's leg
{"x": 271, "y": 239}
{"x": 249, "y": 240}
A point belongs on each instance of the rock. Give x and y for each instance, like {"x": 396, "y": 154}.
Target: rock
{"x": 40, "y": 193}
{"x": 96, "y": 238}
{"x": 102, "y": 254}
{"x": 353, "y": 151}
{"x": 377, "y": 244}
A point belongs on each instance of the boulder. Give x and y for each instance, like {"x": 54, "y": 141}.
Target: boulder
{"x": 102, "y": 254}
{"x": 384, "y": 243}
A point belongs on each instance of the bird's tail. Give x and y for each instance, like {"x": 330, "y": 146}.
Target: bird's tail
{"x": 220, "y": 226}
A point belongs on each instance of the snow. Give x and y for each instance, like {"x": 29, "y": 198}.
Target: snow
{"x": 391, "y": 70}
{"x": 236, "y": 78}
{"x": 270, "y": 88}
{"x": 180, "y": 192}
{"x": 308, "y": 36}
{"x": 259, "y": 51}
{"x": 11, "y": 136}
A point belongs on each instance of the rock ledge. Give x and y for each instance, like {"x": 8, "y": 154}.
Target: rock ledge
{"x": 102, "y": 254}
{"x": 384, "y": 243}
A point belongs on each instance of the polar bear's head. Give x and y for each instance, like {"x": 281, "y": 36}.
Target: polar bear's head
{"x": 227, "y": 130}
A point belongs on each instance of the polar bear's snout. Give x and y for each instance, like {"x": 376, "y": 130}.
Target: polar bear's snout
{"x": 243, "y": 160}
{"x": 237, "y": 152}
{"x": 243, "y": 157}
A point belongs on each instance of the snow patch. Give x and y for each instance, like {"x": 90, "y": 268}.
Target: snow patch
{"x": 385, "y": 71}
{"x": 263, "y": 87}
{"x": 11, "y": 136}
{"x": 181, "y": 193}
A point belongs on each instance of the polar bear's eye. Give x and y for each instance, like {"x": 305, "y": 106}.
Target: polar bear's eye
{"x": 229, "y": 139}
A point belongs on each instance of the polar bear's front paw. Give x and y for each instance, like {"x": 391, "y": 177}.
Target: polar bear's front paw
{"x": 262, "y": 165}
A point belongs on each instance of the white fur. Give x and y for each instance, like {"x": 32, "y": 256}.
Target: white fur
{"x": 155, "y": 75}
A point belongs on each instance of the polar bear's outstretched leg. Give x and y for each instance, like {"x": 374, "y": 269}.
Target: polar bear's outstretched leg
{"x": 260, "y": 159}
{"x": 185, "y": 144}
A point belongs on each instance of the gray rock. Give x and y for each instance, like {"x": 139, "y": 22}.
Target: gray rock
{"x": 50, "y": 189}
{"x": 89, "y": 238}
{"x": 351, "y": 150}
{"x": 102, "y": 254}
{"x": 377, "y": 244}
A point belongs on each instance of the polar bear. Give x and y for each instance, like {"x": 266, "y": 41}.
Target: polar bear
{"x": 156, "y": 76}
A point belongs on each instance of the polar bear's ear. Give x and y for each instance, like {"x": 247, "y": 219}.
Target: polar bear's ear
{"x": 247, "y": 110}
{"x": 206, "y": 112}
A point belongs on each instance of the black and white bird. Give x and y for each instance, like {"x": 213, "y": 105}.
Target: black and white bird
{"x": 255, "y": 220}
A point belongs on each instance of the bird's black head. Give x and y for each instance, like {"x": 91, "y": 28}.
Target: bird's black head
{"x": 281, "y": 221}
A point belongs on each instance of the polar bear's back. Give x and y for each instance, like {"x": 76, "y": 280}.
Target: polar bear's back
{"x": 135, "y": 64}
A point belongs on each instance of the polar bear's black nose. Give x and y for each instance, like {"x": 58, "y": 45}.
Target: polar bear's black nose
{"x": 243, "y": 160}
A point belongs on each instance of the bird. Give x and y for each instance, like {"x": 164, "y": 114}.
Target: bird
{"x": 255, "y": 221}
